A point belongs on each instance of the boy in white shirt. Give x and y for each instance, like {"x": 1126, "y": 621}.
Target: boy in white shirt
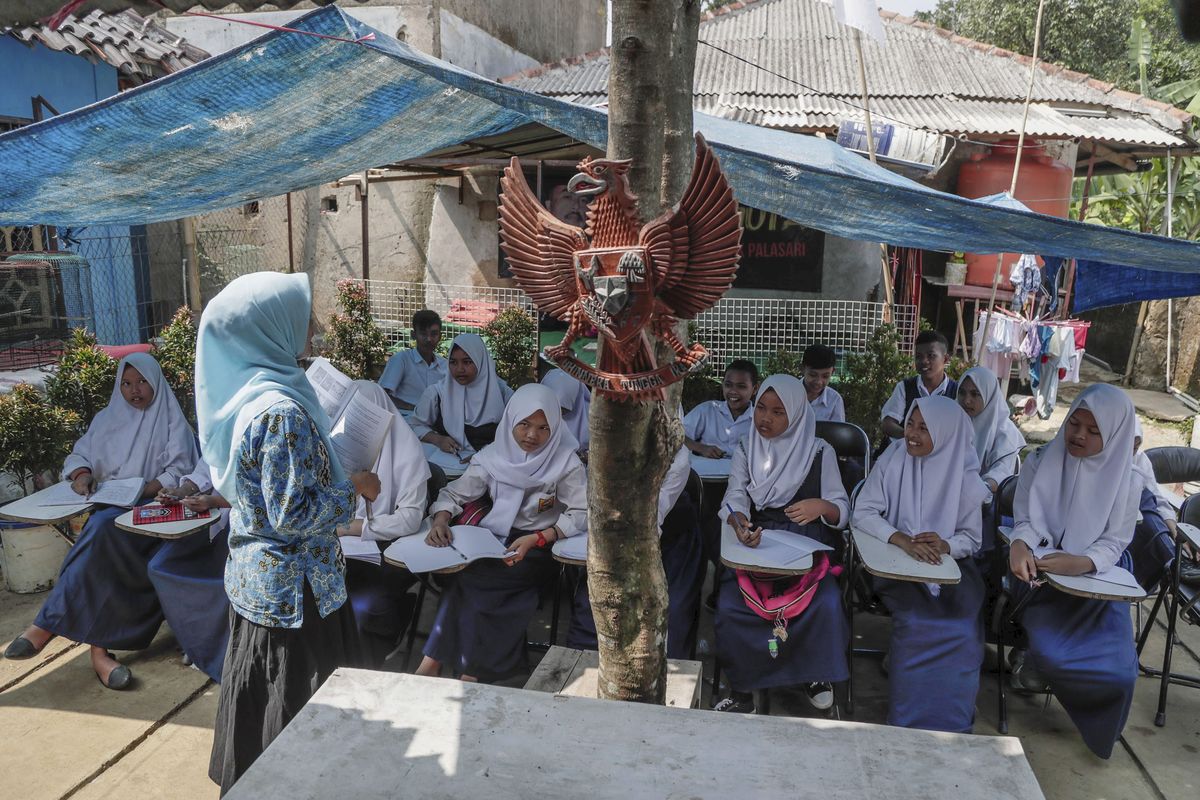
{"x": 930, "y": 357}
{"x": 410, "y": 371}
{"x": 713, "y": 429}
{"x": 817, "y": 364}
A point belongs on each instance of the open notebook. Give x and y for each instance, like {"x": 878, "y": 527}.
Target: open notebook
{"x": 470, "y": 544}
{"x": 359, "y": 427}
{"x": 776, "y": 549}
{"x": 122, "y": 492}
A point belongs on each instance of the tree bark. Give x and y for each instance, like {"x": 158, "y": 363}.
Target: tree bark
{"x": 632, "y": 444}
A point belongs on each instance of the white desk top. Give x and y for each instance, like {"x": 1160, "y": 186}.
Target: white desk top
{"x": 28, "y": 509}
{"x": 451, "y": 464}
{"x": 1091, "y": 586}
{"x": 1191, "y": 533}
{"x": 167, "y": 530}
{"x": 888, "y": 561}
{"x": 572, "y": 550}
{"x": 711, "y": 469}
{"x": 373, "y": 735}
{"x": 749, "y": 562}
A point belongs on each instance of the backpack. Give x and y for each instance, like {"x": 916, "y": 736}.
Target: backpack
{"x": 790, "y": 603}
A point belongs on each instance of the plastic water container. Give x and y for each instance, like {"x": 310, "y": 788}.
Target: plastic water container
{"x": 30, "y": 556}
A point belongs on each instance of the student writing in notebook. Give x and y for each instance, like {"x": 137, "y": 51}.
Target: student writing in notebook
{"x": 266, "y": 437}
{"x": 783, "y": 478}
{"x": 538, "y": 489}
{"x": 377, "y": 589}
{"x": 103, "y": 595}
{"x": 189, "y": 575}
{"x": 925, "y": 496}
{"x": 930, "y": 357}
{"x": 410, "y": 372}
{"x": 1077, "y": 495}
{"x": 460, "y": 413}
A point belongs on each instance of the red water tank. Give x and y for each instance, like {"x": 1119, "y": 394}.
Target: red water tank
{"x": 1044, "y": 185}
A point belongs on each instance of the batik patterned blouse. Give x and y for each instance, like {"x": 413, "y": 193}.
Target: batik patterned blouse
{"x": 281, "y": 529}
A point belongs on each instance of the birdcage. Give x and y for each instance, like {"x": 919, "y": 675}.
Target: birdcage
{"x": 42, "y": 297}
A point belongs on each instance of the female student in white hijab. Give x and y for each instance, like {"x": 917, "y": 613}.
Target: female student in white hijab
{"x": 998, "y": 442}
{"x": 263, "y": 432}
{"x": 189, "y": 575}
{"x": 538, "y": 489}
{"x": 783, "y": 478}
{"x": 103, "y": 595}
{"x": 377, "y": 589}
{"x": 460, "y": 413}
{"x": 1076, "y": 496}
{"x": 925, "y": 496}
{"x": 575, "y": 400}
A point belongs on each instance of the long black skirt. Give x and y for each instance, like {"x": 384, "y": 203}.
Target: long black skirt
{"x": 269, "y": 674}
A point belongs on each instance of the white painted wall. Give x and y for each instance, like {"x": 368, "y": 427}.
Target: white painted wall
{"x": 472, "y": 48}
{"x": 218, "y": 36}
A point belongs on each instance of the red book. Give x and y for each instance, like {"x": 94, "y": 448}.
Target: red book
{"x": 156, "y": 513}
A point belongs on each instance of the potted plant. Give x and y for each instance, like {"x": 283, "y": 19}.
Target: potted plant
{"x": 83, "y": 380}
{"x": 353, "y": 342}
{"x": 956, "y": 269}
{"x": 176, "y": 354}
{"x": 35, "y": 438}
{"x": 511, "y": 337}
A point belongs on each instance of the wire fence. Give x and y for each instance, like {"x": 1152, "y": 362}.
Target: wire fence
{"x": 393, "y": 304}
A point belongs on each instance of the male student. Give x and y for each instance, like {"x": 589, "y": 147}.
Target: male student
{"x": 930, "y": 357}
{"x": 816, "y": 370}
{"x": 410, "y": 371}
{"x": 713, "y": 429}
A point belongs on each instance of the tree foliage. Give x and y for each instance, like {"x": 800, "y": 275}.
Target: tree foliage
{"x": 869, "y": 377}
{"x": 177, "y": 357}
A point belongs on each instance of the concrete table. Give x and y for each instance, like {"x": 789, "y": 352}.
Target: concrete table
{"x": 565, "y": 670}
{"x": 382, "y": 735}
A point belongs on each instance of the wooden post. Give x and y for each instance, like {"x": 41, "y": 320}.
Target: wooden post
{"x": 291, "y": 252}
{"x": 888, "y": 296}
{"x": 363, "y": 196}
{"x": 187, "y": 228}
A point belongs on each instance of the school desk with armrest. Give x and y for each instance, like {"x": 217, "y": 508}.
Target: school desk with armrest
{"x": 167, "y": 530}
{"x": 30, "y": 509}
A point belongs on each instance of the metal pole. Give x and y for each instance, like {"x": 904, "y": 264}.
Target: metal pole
{"x": 191, "y": 259}
{"x": 1170, "y": 213}
{"x": 1037, "y": 42}
{"x": 291, "y": 255}
{"x": 366, "y": 230}
{"x": 866, "y": 98}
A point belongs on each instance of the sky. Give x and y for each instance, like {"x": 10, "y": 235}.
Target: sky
{"x": 907, "y": 7}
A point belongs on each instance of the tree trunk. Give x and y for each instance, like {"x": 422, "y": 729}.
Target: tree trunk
{"x": 632, "y": 444}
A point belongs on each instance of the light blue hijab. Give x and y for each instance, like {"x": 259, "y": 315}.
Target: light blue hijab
{"x": 249, "y": 339}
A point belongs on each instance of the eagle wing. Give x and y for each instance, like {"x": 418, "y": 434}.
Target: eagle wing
{"x": 540, "y": 248}
{"x": 695, "y": 247}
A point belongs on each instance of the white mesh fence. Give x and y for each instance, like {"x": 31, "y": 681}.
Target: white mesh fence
{"x": 394, "y": 302}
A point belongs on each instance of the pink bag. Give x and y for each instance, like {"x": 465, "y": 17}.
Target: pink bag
{"x": 790, "y": 603}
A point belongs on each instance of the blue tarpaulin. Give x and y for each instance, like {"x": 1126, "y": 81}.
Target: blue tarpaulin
{"x": 1098, "y": 284}
{"x": 289, "y": 110}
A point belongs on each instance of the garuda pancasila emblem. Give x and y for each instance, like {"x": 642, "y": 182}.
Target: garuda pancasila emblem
{"x": 627, "y": 279}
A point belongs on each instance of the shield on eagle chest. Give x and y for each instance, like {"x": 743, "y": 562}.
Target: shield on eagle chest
{"x": 615, "y": 289}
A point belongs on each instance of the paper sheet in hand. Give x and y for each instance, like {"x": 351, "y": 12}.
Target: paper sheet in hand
{"x": 333, "y": 387}
{"x": 711, "y": 467}
{"x": 359, "y": 426}
{"x": 776, "y": 549}
{"x": 360, "y": 549}
{"x": 470, "y": 543}
{"x": 450, "y": 463}
{"x": 123, "y": 492}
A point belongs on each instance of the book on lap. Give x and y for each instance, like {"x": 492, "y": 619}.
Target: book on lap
{"x": 470, "y": 543}
{"x": 123, "y": 492}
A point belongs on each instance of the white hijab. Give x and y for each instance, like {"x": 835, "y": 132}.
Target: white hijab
{"x": 995, "y": 435}
{"x": 516, "y": 471}
{"x": 124, "y": 442}
{"x": 576, "y": 399}
{"x": 401, "y": 461}
{"x": 932, "y": 492}
{"x": 1076, "y": 500}
{"x": 778, "y": 466}
{"x": 479, "y": 402}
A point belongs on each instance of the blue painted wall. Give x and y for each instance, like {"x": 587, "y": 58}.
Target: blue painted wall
{"x": 67, "y": 81}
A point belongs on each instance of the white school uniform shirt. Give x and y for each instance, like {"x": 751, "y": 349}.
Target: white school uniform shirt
{"x": 829, "y": 406}
{"x": 712, "y": 423}
{"x": 894, "y": 407}
{"x": 673, "y": 484}
{"x": 403, "y": 477}
{"x": 737, "y": 496}
{"x": 562, "y": 503}
{"x": 407, "y": 375}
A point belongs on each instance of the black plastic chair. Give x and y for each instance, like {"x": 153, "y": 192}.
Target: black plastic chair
{"x": 852, "y": 447}
{"x": 1173, "y": 465}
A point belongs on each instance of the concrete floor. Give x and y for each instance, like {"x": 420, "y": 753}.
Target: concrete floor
{"x": 67, "y": 736}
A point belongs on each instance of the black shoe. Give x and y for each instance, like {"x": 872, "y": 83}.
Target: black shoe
{"x": 736, "y": 706}
{"x": 119, "y": 679}
{"x": 1189, "y": 573}
{"x": 21, "y": 648}
{"x": 820, "y": 695}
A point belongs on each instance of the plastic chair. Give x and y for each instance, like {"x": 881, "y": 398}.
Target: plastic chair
{"x": 1173, "y": 465}
{"x": 852, "y": 447}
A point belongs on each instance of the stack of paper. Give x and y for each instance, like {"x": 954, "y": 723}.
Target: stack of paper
{"x": 360, "y": 549}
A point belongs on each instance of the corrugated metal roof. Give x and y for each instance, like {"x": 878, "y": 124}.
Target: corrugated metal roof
{"x": 789, "y": 64}
{"x": 17, "y": 13}
{"x": 139, "y": 48}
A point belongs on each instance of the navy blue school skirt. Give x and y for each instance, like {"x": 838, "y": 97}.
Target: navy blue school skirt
{"x": 482, "y": 619}
{"x": 936, "y": 651}
{"x": 189, "y": 578}
{"x": 1084, "y": 649}
{"x": 104, "y": 595}
{"x": 382, "y": 605}
{"x": 815, "y": 650}
{"x": 683, "y": 562}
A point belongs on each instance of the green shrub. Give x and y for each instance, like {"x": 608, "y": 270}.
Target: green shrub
{"x": 869, "y": 378}
{"x": 35, "y": 435}
{"x": 511, "y": 338}
{"x": 784, "y": 362}
{"x": 84, "y": 380}
{"x": 177, "y": 357}
{"x": 698, "y": 389}
{"x": 354, "y": 343}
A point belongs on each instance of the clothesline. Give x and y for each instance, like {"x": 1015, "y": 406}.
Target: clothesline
{"x": 1047, "y": 352}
